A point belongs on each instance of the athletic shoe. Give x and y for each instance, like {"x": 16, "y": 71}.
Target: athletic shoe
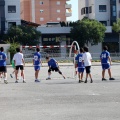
{"x": 85, "y": 81}
{"x": 91, "y": 81}
{"x": 11, "y": 76}
{"x": 5, "y": 81}
{"x": 48, "y": 78}
{"x": 37, "y": 81}
{"x": 64, "y": 77}
{"x": 24, "y": 81}
{"x": 103, "y": 79}
{"x": 111, "y": 78}
{"x": 79, "y": 81}
{"x": 16, "y": 81}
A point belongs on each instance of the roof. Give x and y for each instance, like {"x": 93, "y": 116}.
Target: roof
{"x": 54, "y": 30}
{"x": 29, "y": 23}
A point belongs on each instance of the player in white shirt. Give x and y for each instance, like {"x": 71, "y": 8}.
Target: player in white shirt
{"x": 87, "y": 62}
{"x": 19, "y": 64}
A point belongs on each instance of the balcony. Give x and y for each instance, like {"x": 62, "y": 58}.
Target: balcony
{"x": 68, "y": 14}
{"x": 68, "y": 6}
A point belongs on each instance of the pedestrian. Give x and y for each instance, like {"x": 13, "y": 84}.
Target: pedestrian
{"x": 80, "y": 65}
{"x": 19, "y": 64}
{"x": 53, "y": 66}
{"x": 37, "y": 63}
{"x": 106, "y": 63}
{"x": 87, "y": 59}
{"x": 3, "y": 68}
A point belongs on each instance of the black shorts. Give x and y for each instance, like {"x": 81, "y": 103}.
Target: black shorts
{"x": 3, "y": 69}
{"x": 88, "y": 69}
{"x": 53, "y": 69}
{"x": 19, "y": 66}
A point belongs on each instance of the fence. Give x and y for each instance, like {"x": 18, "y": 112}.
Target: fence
{"x": 55, "y": 52}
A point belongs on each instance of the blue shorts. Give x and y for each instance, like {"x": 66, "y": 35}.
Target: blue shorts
{"x": 81, "y": 70}
{"x": 105, "y": 66}
{"x": 37, "y": 67}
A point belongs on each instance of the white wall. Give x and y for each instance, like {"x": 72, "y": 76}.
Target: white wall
{"x": 102, "y": 16}
{"x": 12, "y": 17}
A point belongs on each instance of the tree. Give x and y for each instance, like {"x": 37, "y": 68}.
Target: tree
{"x": 87, "y": 30}
{"x": 116, "y": 28}
{"x": 25, "y": 35}
{"x": 12, "y": 48}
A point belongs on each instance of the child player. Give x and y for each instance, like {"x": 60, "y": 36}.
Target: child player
{"x": 53, "y": 66}
{"x": 106, "y": 62}
{"x": 80, "y": 65}
{"x": 37, "y": 63}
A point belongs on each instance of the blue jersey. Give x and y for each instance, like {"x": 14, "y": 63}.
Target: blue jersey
{"x": 79, "y": 60}
{"x": 37, "y": 58}
{"x": 104, "y": 57}
{"x": 52, "y": 63}
{"x": 3, "y": 59}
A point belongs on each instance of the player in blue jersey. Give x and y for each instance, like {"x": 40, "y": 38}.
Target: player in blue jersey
{"x": 80, "y": 65}
{"x": 37, "y": 63}
{"x": 3, "y": 68}
{"x": 106, "y": 62}
{"x": 53, "y": 66}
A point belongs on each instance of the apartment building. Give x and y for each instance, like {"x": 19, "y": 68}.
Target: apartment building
{"x": 9, "y": 14}
{"x": 106, "y": 12}
{"x": 43, "y": 11}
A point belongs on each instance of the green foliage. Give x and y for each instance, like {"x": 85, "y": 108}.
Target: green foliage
{"x": 87, "y": 30}
{"x": 63, "y": 24}
{"x": 24, "y": 35}
{"x": 116, "y": 26}
{"x": 12, "y": 48}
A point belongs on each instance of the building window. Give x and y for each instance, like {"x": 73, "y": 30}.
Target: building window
{"x": 114, "y": 10}
{"x": 83, "y": 11}
{"x": 58, "y": 11}
{"x": 58, "y": 2}
{"x": 10, "y": 24}
{"x": 90, "y": 9}
{"x": 102, "y": 8}
{"x": 58, "y": 19}
{"x": 41, "y": 2}
{"x": 86, "y": 10}
{"x": 41, "y": 19}
{"x": 41, "y": 11}
{"x": 104, "y": 22}
{"x": 11, "y": 9}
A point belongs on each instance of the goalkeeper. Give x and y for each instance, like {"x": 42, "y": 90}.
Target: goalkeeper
{"x": 53, "y": 66}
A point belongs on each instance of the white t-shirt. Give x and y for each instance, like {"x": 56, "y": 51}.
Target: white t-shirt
{"x": 18, "y": 58}
{"x": 87, "y": 59}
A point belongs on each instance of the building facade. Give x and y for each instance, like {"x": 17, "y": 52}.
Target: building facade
{"x": 106, "y": 12}
{"x": 9, "y": 14}
{"x": 43, "y": 11}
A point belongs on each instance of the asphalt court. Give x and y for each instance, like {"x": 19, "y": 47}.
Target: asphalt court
{"x": 59, "y": 98}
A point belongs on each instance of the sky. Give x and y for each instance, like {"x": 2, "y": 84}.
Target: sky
{"x": 74, "y": 16}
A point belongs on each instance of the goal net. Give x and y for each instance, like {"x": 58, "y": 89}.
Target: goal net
{"x": 63, "y": 54}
